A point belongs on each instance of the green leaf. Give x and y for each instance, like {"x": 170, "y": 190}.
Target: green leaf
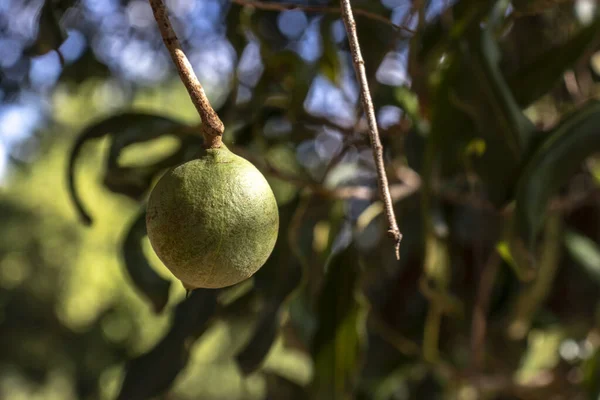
{"x": 480, "y": 91}
{"x": 329, "y": 63}
{"x": 408, "y": 102}
{"x": 533, "y": 296}
{"x": 451, "y": 128}
{"x": 473, "y": 104}
{"x": 277, "y": 280}
{"x": 143, "y": 276}
{"x": 50, "y": 34}
{"x": 263, "y": 24}
{"x": 556, "y": 160}
{"x": 340, "y": 338}
{"x": 586, "y": 252}
{"x": 462, "y": 113}
{"x": 295, "y": 78}
{"x": 235, "y": 31}
{"x": 438, "y": 35}
{"x": 538, "y": 78}
{"x": 591, "y": 374}
{"x": 135, "y": 181}
{"x": 153, "y": 373}
{"x": 251, "y": 357}
{"x": 517, "y": 127}
{"x": 125, "y": 128}
{"x": 512, "y": 251}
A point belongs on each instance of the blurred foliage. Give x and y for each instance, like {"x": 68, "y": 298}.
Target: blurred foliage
{"x": 488, "y": 113}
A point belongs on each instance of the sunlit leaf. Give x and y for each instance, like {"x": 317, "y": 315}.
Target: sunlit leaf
{"x": 541, "y": 354}
{"x": 586, "y": 252}
{"x": 408, "y": 101}
{"x": 134, "y": 181}
{"x": 153, "y": 373}
{"x": 591, "y": 374}
{"x": 125, "y": 128}
{"x": 143, "y": 276}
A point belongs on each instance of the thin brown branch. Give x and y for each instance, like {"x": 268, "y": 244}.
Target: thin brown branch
{"x": 263, "y": 5}
{"x": 212, "y": 126}
{"x": 359, "y": 67}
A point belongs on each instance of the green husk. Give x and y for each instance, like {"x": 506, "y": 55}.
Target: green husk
{"x": 213, "y": 221}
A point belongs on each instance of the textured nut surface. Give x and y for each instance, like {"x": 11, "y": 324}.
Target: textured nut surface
{"x": 213, "y": 221}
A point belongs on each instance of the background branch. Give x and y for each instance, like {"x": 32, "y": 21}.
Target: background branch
{"x": 261, "y": 5}
{"x": 411, "y": 181}
{"x": 212, "y": 126}
{"x": 480, "y": 311}
{"x": 359, "y": 67}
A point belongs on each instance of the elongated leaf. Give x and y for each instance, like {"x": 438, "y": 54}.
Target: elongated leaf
{"x": 50, "y": 34}
{"x": 532, "y": 298}
{"x": 451, "y": 128}
{"x": 439, "y": 35}
{"x": 586, "y": 252}
{"x": 470, "y": 103}
{"x": 134, "y": 182}
{"x": 143, "y": 276}
{"x": 329, "y": 64}
{"x": 480, "y": 91}
{"x": 134, "y": 126}
{"x": 250, "y": 358}
{"x": 537, "y": 78}
{"x": 151, "y": 374}
{"x": 276, "y": 280}
{"x": 591, "y": 374}
{"x": 296, "y": 77}
{"x": 235, "y": 32}
{"x": 513, "y": 252}
{"x": 518, "y": 127}
{"x": 559, "y": 156}
{"x": 339, "y": 340}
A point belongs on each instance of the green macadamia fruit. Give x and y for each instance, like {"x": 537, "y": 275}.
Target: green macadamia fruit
{"x": 213, "y": 221}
